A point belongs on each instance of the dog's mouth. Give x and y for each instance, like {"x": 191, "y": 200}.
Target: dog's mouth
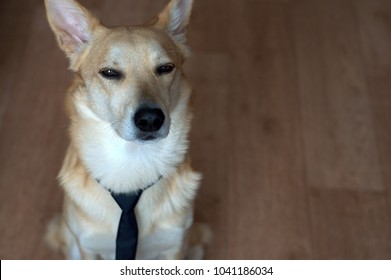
{"x": 139, "y": 136}
{"x": 148, "y": 138}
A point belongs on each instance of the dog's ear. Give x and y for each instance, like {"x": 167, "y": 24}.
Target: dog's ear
{"x": 174, "y": 19}
{"x": 72, "y": 24}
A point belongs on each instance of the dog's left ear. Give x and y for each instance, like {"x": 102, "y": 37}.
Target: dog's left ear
{"x": 175, "y": 18}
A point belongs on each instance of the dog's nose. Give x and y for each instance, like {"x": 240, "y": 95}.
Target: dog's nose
{"x": 148, "y": 119}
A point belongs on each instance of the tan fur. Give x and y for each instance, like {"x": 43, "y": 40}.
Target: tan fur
{"x": 103, "y": 144}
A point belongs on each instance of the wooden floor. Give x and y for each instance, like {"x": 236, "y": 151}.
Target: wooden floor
{"x": 292, "y": 129}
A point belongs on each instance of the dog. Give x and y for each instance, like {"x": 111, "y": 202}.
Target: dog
{"x": 129, "y": 110}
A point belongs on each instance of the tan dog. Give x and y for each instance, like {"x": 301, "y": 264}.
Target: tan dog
{"x": 130, "y": 118}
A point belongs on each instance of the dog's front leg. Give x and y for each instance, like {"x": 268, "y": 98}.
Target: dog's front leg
{"x": 164, "y": 244}
{"x": 166, "y": 241}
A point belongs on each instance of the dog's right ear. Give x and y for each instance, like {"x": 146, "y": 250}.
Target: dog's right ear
{"x": 174, "y": 19}
{"x": 72, "y": 24}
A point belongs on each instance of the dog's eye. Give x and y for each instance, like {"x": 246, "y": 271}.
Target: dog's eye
{"x": 165, "y": 69}
{"x": 112, "y": 74}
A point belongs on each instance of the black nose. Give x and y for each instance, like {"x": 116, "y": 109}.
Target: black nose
{"x": 149, "y": 120}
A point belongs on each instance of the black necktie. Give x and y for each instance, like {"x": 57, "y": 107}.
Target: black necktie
{"x": 127, "y": 235}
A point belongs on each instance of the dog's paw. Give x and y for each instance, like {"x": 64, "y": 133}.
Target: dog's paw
{"x": 53, "y": 236}
{"x": 200, "y": 236}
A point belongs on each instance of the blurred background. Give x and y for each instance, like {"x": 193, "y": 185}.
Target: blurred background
{"x": 291, "y": 129}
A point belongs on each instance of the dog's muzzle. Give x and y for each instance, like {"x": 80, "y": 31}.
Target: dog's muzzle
{"x": 150, "y": 123}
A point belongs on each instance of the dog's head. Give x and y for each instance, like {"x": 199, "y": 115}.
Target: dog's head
{"x": 131, "y": 76}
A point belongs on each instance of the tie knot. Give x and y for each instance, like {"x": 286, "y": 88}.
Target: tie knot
{"x": 127, "y": 201}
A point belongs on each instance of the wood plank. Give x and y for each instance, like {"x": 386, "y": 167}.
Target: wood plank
{"x": 124, "y": 12}
{"x": 32, "y": 146}
{"x": 350, "y": 225}
{"x": 210, "y": 141}
{"x": 267, "y": 193}
{"x": 12, "y": 14}
{"x": 339, "y": 137}
{"x": 374, "y": 18}
{"x": 210, "y": 26}
{"x": 343, "y": 167}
